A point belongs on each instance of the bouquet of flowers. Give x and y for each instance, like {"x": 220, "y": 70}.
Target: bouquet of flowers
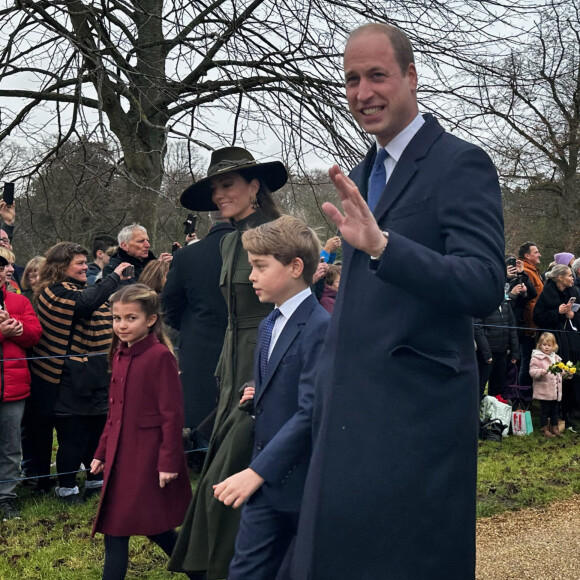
{"x": 568, "y": 370}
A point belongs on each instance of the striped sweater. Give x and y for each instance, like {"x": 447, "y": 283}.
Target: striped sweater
{"x": 72, "y": 306}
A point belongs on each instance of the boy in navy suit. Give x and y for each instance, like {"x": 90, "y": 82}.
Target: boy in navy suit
{"x": 284, "y": 255}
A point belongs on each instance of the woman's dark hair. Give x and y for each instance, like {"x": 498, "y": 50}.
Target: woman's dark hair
{"x": 264, "y": 196}
{"x": 57, "y": 262}
{"x": 148, "y": 301}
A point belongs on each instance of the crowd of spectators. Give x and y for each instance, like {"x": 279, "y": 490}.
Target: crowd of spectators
{"x": 536, "y": 300}
{"x": 54, "y": 311}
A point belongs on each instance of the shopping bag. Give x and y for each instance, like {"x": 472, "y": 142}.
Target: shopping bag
{"x": 519, "y": 423}
{"x": 529, "y": 426}
{"x": 491, "y": 408}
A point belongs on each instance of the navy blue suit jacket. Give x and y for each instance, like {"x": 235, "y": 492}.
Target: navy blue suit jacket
{"x": 283, "y": 404}
{"x": 391, "y": 488}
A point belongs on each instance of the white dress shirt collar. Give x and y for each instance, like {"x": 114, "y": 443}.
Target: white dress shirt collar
{"x": 287, "y": 309}
{"x": 398, "y": 144}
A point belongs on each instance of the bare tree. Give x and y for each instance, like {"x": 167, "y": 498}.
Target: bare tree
{"x": 211, "y": 72}
{"x": 525, "y": 105}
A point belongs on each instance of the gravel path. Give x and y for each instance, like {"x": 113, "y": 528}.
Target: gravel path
{"x": 534, "y": 544}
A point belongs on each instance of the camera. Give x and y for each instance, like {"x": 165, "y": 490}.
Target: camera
{"x": 129, "y": 272}
{"x": 511, "y": 262}
{"x": 190, "y": 224}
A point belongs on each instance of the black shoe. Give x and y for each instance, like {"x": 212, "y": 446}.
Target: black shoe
{"x": 73, "y": 499}
{"x": 8, "y": 511}
{"x": 92, "y": 492}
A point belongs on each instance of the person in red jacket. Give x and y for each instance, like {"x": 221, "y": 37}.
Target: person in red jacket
{"x": 19, "y": 330}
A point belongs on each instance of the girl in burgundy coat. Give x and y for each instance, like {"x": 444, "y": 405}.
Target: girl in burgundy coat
{"x": 146, "y": 487}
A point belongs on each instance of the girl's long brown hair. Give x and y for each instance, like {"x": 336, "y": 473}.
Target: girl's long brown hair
{"x": 148, "y": 300}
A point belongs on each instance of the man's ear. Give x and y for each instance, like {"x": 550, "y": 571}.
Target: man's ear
{"x": 124, "y": 246}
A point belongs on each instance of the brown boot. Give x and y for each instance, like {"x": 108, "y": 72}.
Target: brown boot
{"x": 546, "y": 431}
{"x": 555, "y": 431}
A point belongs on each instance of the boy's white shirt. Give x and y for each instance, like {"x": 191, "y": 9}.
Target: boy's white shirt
{"x": 287, "y": 309}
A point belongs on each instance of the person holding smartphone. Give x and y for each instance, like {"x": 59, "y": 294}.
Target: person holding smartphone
{"x": 135, "y": 249}
{"x": 554, "y": 311}
{"x": 75, "y": 321}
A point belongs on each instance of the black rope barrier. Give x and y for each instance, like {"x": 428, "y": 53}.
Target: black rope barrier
{"x": 36, "y": 477}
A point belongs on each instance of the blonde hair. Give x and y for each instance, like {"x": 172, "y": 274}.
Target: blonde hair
{"x": 548, "y": 338}
{"x": 33, "y": 265}
{"x": 558, "y": 271}
{"x": 154, "y": 275}
{"x": 286, "y": 238}
{"x": 148, "y": 301}
{"x": 7, "y": 255}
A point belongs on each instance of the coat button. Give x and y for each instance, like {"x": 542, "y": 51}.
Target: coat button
{"x": 259, "y": 446}
{"x": 258, "y": 409}
{"x": 111, "y": 401}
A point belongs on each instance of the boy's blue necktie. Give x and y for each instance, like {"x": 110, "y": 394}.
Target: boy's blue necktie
{"x": 378, "y": 178}
{"x": 266, "y": 339}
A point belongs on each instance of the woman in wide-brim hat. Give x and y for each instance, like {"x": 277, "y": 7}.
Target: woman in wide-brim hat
{"x": 241, "y": 189}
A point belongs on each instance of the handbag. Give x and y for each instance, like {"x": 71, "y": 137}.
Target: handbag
{"x": 491, "y": 430}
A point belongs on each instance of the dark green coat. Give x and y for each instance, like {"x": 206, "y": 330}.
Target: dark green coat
{"x": 206, "y": 540}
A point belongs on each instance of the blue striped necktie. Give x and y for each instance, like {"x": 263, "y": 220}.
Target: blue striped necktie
{"x": 378, "y": 178}
{"x": 266, "y": 338}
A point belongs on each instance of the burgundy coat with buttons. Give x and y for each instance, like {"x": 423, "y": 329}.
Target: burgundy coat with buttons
{"x": 141, "y": 438}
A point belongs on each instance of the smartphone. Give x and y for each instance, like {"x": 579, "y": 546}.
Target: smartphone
{"x": 190, "y": 224}
{"x": 572, "y": 300}
{"x": 8, "y": 193}
{"x": 129, "y": 272}
{"x": 174, "y": 247}
{"x": 511, "y": 262}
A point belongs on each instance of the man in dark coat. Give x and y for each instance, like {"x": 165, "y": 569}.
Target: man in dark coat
{"x": 391, "y": 487}
{"x": 134, "y": 247}
{"x": 194, "y": 305}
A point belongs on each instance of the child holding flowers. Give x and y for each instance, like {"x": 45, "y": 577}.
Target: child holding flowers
{"x": 547, "y": 371}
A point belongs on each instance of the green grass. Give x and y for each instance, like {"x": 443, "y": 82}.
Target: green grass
{"x": 52, "y": 541}
{"x": 527, "y": 471}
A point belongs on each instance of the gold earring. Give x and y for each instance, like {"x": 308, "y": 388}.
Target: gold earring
{"x": 254, "y": 202}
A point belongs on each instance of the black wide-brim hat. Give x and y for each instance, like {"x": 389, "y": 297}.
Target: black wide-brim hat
{"x": 272, "y": 174}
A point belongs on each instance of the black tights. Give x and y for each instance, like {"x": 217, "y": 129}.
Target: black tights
{"x": 117, "y": 552}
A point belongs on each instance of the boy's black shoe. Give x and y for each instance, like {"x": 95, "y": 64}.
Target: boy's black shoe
{"x": 8, "y": 511}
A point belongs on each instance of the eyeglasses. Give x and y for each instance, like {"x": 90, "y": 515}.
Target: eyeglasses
{"x": 4, "y": 240}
